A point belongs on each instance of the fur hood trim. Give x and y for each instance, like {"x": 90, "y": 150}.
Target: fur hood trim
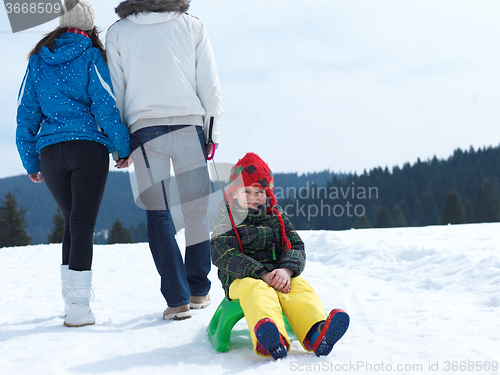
{"x": 129, "y": 7}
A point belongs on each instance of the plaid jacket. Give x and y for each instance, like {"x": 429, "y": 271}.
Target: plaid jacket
{"x": 261, "y": 238}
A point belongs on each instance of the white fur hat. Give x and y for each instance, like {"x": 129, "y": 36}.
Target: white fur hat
{"x": 80, "y": 15}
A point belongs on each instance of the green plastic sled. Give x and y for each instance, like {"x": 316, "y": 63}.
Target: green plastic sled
{"x": 225, "y": 317}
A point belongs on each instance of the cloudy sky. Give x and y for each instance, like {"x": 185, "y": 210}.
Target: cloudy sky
{"x": 344, "y": 85}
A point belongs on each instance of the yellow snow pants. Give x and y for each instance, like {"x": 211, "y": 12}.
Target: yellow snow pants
{"x": 301, "y": 306}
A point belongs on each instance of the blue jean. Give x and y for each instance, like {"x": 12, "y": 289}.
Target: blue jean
{"x": 154, "y": 148}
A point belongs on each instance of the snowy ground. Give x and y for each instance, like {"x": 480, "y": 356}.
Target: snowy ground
{"x": 421, "y": 300}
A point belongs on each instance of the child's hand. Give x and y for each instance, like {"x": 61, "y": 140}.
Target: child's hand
{"x": 271, "y": 279}
{"x": 280, "y": 279}
{"x": 266, "y": 279}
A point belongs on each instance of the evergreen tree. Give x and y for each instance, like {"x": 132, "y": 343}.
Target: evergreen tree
{"x": 140, "y": 232}
{"x": 406, "y": 212}
{"x": 398, "y": 217}
{"x": 453, "y": 211}
{"x": 119, "y": 233}
{"x": 13, "y": 223}
{"x": 469, "y": 212}
{"x": 418, "y": 214}
{"x": 487, "y": 204}
{"x": 431, "y": 213}
{"x": 306, "y": 226}
{"x": 363, "y": 223}
{"x": 56, "y": 235}
{"x": 383, "y": 219}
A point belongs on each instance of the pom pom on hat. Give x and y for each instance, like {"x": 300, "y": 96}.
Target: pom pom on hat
{"x": 251, "y": 170}
{"x": 77, "y": 14}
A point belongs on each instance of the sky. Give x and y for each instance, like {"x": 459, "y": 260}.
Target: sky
{"x": 343, "y": 85}
{"x": 421, "y": 301}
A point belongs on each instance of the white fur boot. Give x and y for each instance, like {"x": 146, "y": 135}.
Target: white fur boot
{"x": 78, "y": 294}
{"x": 64, "y": 271}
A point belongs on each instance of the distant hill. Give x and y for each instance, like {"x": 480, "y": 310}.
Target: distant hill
{"x": 412, "y": 195}
{"x": 117, "y": 202}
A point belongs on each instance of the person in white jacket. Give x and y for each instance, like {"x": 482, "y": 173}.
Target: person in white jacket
{"x": 167, "y": 90}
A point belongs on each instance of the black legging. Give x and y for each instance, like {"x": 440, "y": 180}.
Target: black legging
{"x": 75, "y": 173}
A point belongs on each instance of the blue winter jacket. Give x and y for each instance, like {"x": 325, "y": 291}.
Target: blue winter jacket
{"x": 66, "y": 95}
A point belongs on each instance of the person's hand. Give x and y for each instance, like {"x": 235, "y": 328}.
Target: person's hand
{"x": 123, "y": 163}
{"x": 265, "y": 277}
{"x": 36, "y": 177}
{"x": 280, "y": 279}
{"x": 210, "y": 149}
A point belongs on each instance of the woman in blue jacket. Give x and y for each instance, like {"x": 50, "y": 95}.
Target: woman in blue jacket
{"x": 67, "y": 124}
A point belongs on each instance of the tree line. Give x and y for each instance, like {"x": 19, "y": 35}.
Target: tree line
{"x": 13, "y": 226}
{"x": 461, "y": 189}
{"x": 118, "y": 201}
{"x": 118, "y": 233}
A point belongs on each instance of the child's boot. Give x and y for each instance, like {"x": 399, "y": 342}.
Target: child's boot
{"x": 269, "y": 338}
{"x": 79, "y": 293}
{"x": 329, "y": 332}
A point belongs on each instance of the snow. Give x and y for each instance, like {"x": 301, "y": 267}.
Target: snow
{"x": 421, "y": 300}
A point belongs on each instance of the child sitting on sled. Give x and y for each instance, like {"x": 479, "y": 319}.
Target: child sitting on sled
{"x": 259, "y": 257}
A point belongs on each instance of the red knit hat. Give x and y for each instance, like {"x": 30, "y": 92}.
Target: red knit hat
{"x": 251, "y": 170}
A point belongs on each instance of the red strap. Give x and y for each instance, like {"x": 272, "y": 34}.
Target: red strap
{"x": 235, "y": 229}
{"x": 76, "y": 31}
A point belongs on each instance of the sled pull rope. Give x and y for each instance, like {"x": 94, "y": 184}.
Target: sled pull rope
{"x": 218, "y": 179}
{"x": 211, "y": 141}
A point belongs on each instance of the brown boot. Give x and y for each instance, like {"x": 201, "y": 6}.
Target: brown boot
{"x": 200, "y": 302}
{"x": 177, "y": 313}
